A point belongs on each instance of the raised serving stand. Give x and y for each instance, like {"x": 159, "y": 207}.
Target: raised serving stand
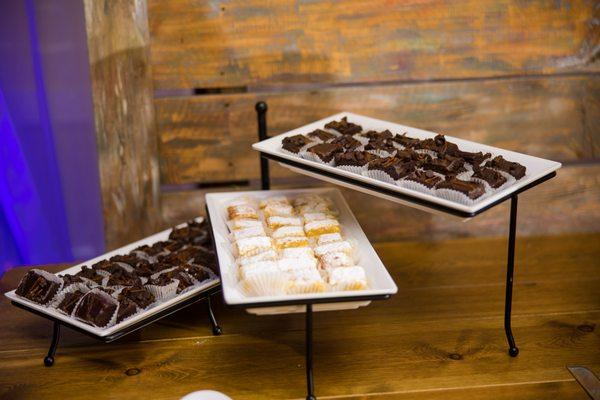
{"x": 406, "y": 197}
{"x": 203, "y": 292}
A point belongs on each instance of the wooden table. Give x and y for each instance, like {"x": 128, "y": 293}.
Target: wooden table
{"x": 440, "y": 337}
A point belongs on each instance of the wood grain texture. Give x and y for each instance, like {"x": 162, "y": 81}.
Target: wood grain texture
{"x": 440, "y": 337}
{"x": 118, "y": 45}
{"x": 208, "y": 138}
{"x": 565, "y": 204}
{"x": 251, "y": 42}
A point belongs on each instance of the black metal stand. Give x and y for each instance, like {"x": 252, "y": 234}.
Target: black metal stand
{"x": 49, "y": 359}
{"x": 513, "y": 351}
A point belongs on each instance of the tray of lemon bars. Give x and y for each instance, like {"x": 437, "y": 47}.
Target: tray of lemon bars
{"x": 278, "y": 250}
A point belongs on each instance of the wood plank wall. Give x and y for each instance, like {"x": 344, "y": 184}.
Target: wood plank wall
{"x": 519, "y": 75}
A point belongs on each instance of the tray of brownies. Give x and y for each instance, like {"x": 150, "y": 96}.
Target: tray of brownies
{"x": 126, "y": 286}
{"x": 280, "y": 249}
{"x": 392, "y": 160}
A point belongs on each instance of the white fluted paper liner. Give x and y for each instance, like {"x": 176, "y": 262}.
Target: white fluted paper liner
{"x": 157, "y": 274}
{"x": 112, "y": 320}
{"x": 60, "y": 296}
{"x": 301, "y": 287}
{"x": 381, "y": 153}
{"x": 268, "y": 283}
{"x": 412, "y": 185}
{"x": 458, "y": 197}
{"x": 363, "y": 140}
{"x": 355, "y": 169}
{"x": 165, "y": 292}
{"x": 398, "y": 146}
{"x": 465, "y": 176}
{"x": 379, "y": 175}
{"x": 307, "y": 155}
{"x": 103, "y": 273}
{"x": 428, "y": 152}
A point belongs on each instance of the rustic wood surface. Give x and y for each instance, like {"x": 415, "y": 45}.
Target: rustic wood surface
{"x": 440, "y": 337}
{"x": 254, "y": 42}
{"x": 117, "y": 33}
{"x": 567, "y": 203}
{"x": 208, "y": 138}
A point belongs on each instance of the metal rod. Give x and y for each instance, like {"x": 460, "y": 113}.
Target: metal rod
{"x": 310, "y": 386}
{"x": 261, "y": 113}
{"x": 216, "y": 329}
{"x": 512, "y": 233}
{"x": 49, "y": 359}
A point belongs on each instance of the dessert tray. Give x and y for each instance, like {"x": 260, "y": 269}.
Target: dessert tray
{"x": 189, "y": 289}
{"x": 511, "y": 173}
{"x": 328, "y": 295}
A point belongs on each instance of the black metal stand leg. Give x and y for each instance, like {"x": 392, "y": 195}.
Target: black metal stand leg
{"x": 49, "y": 359}
{"x": 261, "y": 113}
{"x": 512, "y": 347}
{"x": 216, "y": 329}
{"x": 310, "y": 386}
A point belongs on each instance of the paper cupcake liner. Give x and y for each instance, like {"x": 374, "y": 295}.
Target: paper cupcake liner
{"x": 163, "y": 293}
{"x": 296, "y": 287}
{"x": 51, "y": 277}
{"x": 265, "y": 284}
{"x": 510, "y": 180}
{"x": 381, "y": 153}
{"x": 412, "y": 185}
{"x": 398, "y": 146}
{"x": 125, "y": 266}
{"x": 355, "y": 169}
{"x": 352, "y": 285}
{"x": 428, "y": 152}
{"x": 379, "y": 175}
{"x": 458, "y": 197}
{"x": 313, "y": 157}
{"x": 363, "y": 140}
{"x": 465, "y": 176}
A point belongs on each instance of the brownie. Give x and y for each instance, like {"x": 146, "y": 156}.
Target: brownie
{"x": 172, "y": 245}
{"x": 295, "y": 143}
{"x": 474, "y": 159}
{"x": 189, "y": 234}
{"x": 406, "y": 141}
{"x": 439, "y": 144}
{"x": 68, "y": 303}
{"x": 96, "y": 308}
{"x": 199, "y": 274}
{"x": 185, "y": 281}
{"x": 127, "y": 308}
{"x": 447, "y": 165}
{"x": 393, "y": 167}
{"x": 111, "y": 267}
{"x": 494, "y": 178}
{"x": 69, "y": 279}
{"x": 425, "y": 178}
{"x": 91, "y": 274}
{"x": 39, "y": 286}
{"x": 469, "y": 188}
{"x": 138, "y": 294}
{"x": 355, "y": 158}
{"x": 152, "y": 251}
{"x": 182, "y": 256}
{"x": 120, "y": 277}
{"x": 381, "y": 144}
{"x": 348, "y": 143}
{"x": 344, "y": 127}
{"x": 325, "y": 151}
{"x": 321, "y": 134}
{"x": 513, "y": 168}
{"x": 374, "y": 135}
{"x": 129, "y": 259}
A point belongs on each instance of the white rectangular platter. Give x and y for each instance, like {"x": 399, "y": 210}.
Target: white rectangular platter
{"x": 380, "y": 281}
{"x": 536, "y": 167}
{"x": 150, "y": 240}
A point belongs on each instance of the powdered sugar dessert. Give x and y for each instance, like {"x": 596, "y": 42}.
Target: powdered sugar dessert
{"x": 291, "y": 246}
